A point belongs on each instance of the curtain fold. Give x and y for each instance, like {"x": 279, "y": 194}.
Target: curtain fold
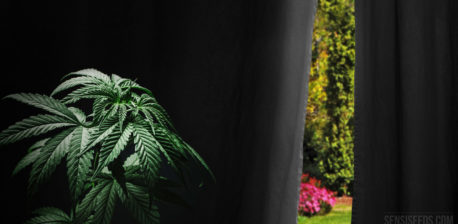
{"x": 232, "y": 74}
{"x": 406, "y": 102}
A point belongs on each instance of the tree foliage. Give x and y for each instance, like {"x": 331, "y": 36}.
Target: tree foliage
{"x": 95, "y": 148}
{"x": 328, "y": 142}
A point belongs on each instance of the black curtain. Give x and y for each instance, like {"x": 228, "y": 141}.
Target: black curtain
{"x": 406, "y": 110}
{"x": 232, "y": 75}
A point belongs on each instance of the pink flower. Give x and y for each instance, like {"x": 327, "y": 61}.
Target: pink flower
{"x": 313, "y": 196}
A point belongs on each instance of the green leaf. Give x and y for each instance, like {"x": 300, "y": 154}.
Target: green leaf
{"x": 84, "y": 210}
{"x": 122, "y": 114}
{"x": 90, "y": 72}
{"x": 75, "y": 82}
{"x": 98, "y": 108}
{"x": 199, "y": 159}
{"x": 147, "y": 91}
{"x": 113, "y": 111}
{"x": 162, "y": 115}
{"x": 79, "y": 114}
{"x": 50, "y": 156}
{"x": 167, "y": 137}
{"x": 26, "y": 161}
{"x": 112, "y": 146}
{"x": 101, "y": 133}
{"x": 49, "y": 215}
{"x": 148, "y": 152}
{"x": 161, "y": 148}
{"x": 150, "y": 120}
{"x": 116, "y": 78}
{"x": 38, "y": 144}
{"x": 106, "y": 201}
{"x": 88, "y": 92}
{"x": 50, "y": 210}
{"x": 78, "y": 167}
{"x": 138, "y": 203}
{"x": 44, "y": 102}
{"x": 132, "y": 160}
{"x": 32, "y": 126}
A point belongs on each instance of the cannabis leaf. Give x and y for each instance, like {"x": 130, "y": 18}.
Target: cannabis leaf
{"x": 44, "y": 102}
{"x": 33, "y": 126}
{"x": 106, "y": 202}
{"x": 49, "y": 215}
{"x": 112, "y": 154}
{"x": 49, "y": 157}
{"x": 113, "y": 145}
{"x": 137, "y": 202}
{"x": 78, "y": 166}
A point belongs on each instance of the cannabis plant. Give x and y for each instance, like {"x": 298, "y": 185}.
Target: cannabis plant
{"x": 112, "y": 154}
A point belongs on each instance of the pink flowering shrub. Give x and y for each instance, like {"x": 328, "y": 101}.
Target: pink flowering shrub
{"x": 314, "y": 198}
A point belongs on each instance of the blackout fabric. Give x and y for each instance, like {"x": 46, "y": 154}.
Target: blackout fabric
{"x": 232, "y": 74}
{"x": 406, "y": 110}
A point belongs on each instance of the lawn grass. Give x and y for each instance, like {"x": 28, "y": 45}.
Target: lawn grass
{"x": 340, "y": 214}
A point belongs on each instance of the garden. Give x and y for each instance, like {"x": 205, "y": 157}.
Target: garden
{"x": 318, "y": 205}
{"x": 327, "y": 180}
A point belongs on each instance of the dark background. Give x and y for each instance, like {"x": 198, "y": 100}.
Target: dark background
{"x": 179, "y": 59}
{"x": 216, "y": 66}
{"x": 406, "y": 123}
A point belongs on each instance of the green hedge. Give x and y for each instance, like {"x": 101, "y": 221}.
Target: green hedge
{"x": 328, "y": 140}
